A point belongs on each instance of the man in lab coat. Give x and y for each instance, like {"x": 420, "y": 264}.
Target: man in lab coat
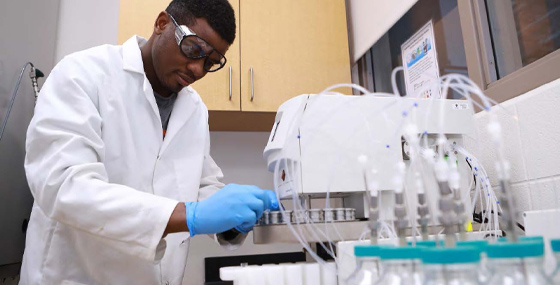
{"x": 118, "y": 158}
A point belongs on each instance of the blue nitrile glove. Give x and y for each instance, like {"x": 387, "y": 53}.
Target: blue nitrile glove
{"x": 232, "y": 206}
{"x": 271, "y": 204}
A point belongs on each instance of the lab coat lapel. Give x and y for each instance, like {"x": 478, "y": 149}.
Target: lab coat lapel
{"x": 183, "y": 110}
{"x": 132, "y": 61}
{"x": 132, "y": 57}
{"x": 149, "y": 93}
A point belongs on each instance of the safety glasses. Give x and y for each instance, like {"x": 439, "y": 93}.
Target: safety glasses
{"x": 195, "y": 47}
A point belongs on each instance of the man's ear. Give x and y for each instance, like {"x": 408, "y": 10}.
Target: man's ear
{"x": 161, "y": 23}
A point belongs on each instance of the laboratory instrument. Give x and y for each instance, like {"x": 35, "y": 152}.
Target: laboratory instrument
{"x": 381, "y": 169}
{"x": 331, "y": 135}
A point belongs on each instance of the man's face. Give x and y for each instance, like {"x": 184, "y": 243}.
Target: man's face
{"x": 173, "y": 69}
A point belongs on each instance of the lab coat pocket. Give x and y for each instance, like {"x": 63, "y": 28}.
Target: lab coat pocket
{"x": 188, "y": 177}
{"x": 175, "y": 260}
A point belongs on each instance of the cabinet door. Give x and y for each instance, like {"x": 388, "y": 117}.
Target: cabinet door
{"x": 218, "y": 91}
{"x": 138, "y": 17}
{"x": 294, "y": 47}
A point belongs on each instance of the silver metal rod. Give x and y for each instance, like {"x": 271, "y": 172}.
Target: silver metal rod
{"x": 33, "y": 76}
{"x": 14, "y": 94}
{"x": 230, "y": 82}
{"x": 252, "y": 87}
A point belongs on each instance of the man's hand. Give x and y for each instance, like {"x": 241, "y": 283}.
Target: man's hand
{"x": 234, "y": 206}
{"x": 273, "y": 201}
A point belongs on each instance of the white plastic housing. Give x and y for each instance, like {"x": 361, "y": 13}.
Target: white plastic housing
{"x": 322, "y": 139}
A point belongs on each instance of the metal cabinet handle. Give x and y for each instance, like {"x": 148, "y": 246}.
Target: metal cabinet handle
{"x": 230, "y": 82}
{"x": 252, "y": 88}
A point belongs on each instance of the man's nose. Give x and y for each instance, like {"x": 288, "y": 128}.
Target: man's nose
{"x": 196, "y": 66}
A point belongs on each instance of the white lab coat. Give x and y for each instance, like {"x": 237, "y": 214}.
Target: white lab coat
{"x": 104, "y": 181}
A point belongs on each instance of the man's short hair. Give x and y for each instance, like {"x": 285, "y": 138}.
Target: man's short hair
{"x": 218, "y": 13}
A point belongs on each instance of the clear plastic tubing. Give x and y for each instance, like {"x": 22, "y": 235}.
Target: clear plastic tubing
{"x": 367, "y": 265}
{"x": 555, "y": 245}
{"x": 451, "y": 266}
{"x": 516, "y": 263}
{"x": 400, "y": 266}
{"x": 483, "y": 273}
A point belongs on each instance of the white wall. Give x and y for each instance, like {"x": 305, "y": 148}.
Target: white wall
{"x": 27, "y": 32}
{"x": 239, "y": 154}
{"x": 531, "y": 130}
{"x": 84, "y": 23}
{"x": 370, "y": 20}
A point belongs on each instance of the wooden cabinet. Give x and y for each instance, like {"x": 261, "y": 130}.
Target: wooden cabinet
{"x": 220, "y": 90}
{"x": 293, "y": 47}
{"x": 138, "y": 17}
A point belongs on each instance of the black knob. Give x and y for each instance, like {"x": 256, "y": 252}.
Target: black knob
{"x": 39, "y": 73}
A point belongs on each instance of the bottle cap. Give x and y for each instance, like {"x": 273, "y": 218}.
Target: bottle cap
{"x": 515, "y": 249}
{"x": 368, "y": 250}
{"x": 407, "y": 252}
{"x": 450, "y": 255}
{"x": 525, "y": 238}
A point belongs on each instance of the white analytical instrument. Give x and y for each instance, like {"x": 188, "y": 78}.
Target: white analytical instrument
{"x": 329, "y": 146}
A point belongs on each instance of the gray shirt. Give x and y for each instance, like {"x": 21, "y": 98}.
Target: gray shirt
{"x": 165, "y": 106}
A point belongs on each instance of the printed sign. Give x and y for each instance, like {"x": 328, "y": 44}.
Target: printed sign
{"x": 420, "y": 63}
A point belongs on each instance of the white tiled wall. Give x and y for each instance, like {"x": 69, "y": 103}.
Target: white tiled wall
{"x": 531, "y": 131}
{"x": 28, "y": 29}
{"x": 83, "y": 24}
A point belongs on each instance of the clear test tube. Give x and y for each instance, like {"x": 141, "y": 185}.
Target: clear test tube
{"x": 339, "y": 214}
{"x": 311, "y": 274}
{"x": 328, "y": 214}
{"x": 298, "y": 217}
{"x": 275, "y": 218}
{"x": 273, "y": 275}
{"x": 316, "y": 215}
{"x": 265, "y": 219}
{"x": 231, "y": 273}
{"x": 286, "y": 216}
{"x": 349, "y": 214}
{"x": 328, "y": 274}
{"x": 293, "y": 274}
{"x": 255, "y": 275}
